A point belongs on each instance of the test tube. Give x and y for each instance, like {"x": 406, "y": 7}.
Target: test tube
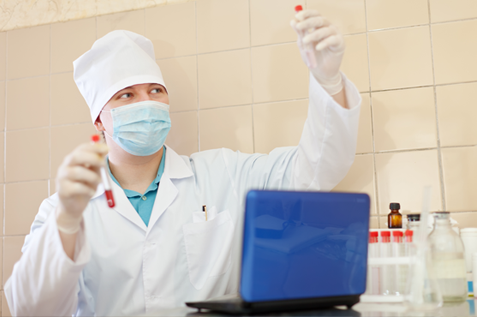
{"x": 386, "y": 272}
{"x": 309, "y": 49}
{"x": 373, "y": 270}
{"x": 107, "y": 185}
{"x": 400, "y": 272}
{"x": 397, "y": 244}
{"x": 408, "y": 244}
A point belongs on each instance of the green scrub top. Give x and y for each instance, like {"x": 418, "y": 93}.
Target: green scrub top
{"x": 143, "y": 203}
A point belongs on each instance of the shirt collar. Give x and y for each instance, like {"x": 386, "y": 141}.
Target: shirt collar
{"x": 176, "y": 166}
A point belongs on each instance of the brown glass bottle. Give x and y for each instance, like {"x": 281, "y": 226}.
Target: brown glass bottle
{"x": 394, "y": 217}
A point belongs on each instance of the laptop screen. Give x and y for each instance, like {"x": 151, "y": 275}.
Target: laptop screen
{"x": 304, "y": 244}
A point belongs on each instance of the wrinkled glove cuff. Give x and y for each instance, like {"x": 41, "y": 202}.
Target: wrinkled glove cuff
{"x": 333, "y": 86}
{"x": 68, "y": 226}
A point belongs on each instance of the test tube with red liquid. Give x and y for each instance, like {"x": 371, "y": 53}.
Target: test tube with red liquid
{"x": 107, "y": 185}
{"x": 309, "y": 49}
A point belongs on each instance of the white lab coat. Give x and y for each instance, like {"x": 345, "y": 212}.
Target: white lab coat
{"x": 122, "y": 267}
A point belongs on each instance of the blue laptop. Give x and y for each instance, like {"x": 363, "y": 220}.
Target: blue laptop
{"x": 301, "y": 251}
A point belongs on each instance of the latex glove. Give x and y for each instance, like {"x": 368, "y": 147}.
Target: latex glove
{"x": 77, "y": 180}
{"x": 327, "y": 44}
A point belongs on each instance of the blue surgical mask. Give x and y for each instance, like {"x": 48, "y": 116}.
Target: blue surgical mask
{"x": 142, "y": 127}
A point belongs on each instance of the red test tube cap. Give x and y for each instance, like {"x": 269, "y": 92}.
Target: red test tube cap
{"x": 95, "y": 138}
{"x": 385, "y": 234}
{"x": 409, "y": 233}
{"x": 397, "y": 233}
{"x": 298, "y": 8}
{"x": 373, "y": 234}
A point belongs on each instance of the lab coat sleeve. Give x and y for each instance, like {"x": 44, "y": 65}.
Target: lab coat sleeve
{"x": 328, "y": 143}
{"x": 320, "y": 161}
{"x": 44, "y": 281}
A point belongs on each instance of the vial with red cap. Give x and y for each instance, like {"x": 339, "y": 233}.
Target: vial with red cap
{"x": 373, "y": 278}
{"x": 104, "y": 177}
{"x": 309, "y": 49}
{"x": 386, "y": 271}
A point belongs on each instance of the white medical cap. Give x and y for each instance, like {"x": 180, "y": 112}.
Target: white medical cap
{"x": 117, "y": 60}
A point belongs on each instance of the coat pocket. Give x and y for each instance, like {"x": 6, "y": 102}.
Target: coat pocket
{"x": 208, "y": 247}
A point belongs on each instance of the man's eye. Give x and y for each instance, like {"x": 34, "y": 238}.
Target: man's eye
{"x": 124, "y": 96}
{"x": 156, "y": 90}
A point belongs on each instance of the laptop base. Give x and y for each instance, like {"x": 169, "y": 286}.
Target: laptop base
{"x": 239, "y": 306}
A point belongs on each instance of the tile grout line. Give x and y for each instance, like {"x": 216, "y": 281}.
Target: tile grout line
{"x": 197, "y": 74}
{"x": 251, "y": 73}
{"x": 436, "y": 113}
{"x": 375, "y": 173}
{"x": 49, "y": 119}
{"x": 5, "y": 146}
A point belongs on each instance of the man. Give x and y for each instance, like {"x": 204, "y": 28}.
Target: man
{"x": 155, "y": 249}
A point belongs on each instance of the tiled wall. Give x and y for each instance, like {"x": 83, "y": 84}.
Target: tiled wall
{"x": 236, "y": 80}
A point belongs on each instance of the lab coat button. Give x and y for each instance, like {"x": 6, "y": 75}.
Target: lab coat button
{"x": 144, "y": 198}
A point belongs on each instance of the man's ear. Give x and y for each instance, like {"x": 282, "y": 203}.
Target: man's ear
{"x": 99, "y": 125}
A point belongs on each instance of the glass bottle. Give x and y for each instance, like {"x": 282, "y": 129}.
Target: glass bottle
{"x": 394, "y": 217}
{"x": 413, "y": 221}
{"x": 448, "y": 261}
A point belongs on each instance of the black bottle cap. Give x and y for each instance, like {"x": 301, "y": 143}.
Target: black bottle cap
{"x": 394, "y": 206}
{"x": 413, "y": 217}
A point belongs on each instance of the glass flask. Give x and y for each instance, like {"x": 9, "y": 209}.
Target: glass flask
{"x": 447, "y": 259}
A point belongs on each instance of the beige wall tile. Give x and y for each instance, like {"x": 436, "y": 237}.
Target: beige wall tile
{"x": 183, "y": 137}
{"x": 229, "y": 127}
{"x": 457, "y": 112}
{"x": 69, "y": 41}
{"x": 222, "y": 82}
{"x": 365, "y": 137}
{"x": 383, "y": 222}
{"x": 20, "y": 212}
{"x": 180, "y": 76}
{"x": 360, "y": 178}
{"x": 65, "y": 139}
{"x": 455, "y": 51}
{"x": 448, "y": 10}
{"x": 172, "y": 29}
{"x": 3, "y": 55}
{"x": 400, "y": 58}
{"x": 2, "y": 152}
{"x": 28, "y": 103}
{"x": 27, "y": 155}
{"x": 348, "y": 15}
{"x": 278, "y": 124}
{"x": 278, "y": 73}
{"x": 355, "y": 61}
{"x": 401, "y": 178}
{"x": 460, "y": 178}
{"x": 222, "y": 25}
{"x": 2, "y": 105}
{"x": 272, "y": 26}
{"x": 2, "y": 186}
{"x": 374, "y": 223}
{"x": 52, "y": 185}
{"x": 28, "y": 52}
{"x": 5, "y": 309}
{"x": 131, "y": 21}
{"x": 396, "y": 13}
{"x": 67, "y": 104}
{"x": 465, "y": 219}
{"x": 12, "y": 247}
{"x": 404, "y": 119}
